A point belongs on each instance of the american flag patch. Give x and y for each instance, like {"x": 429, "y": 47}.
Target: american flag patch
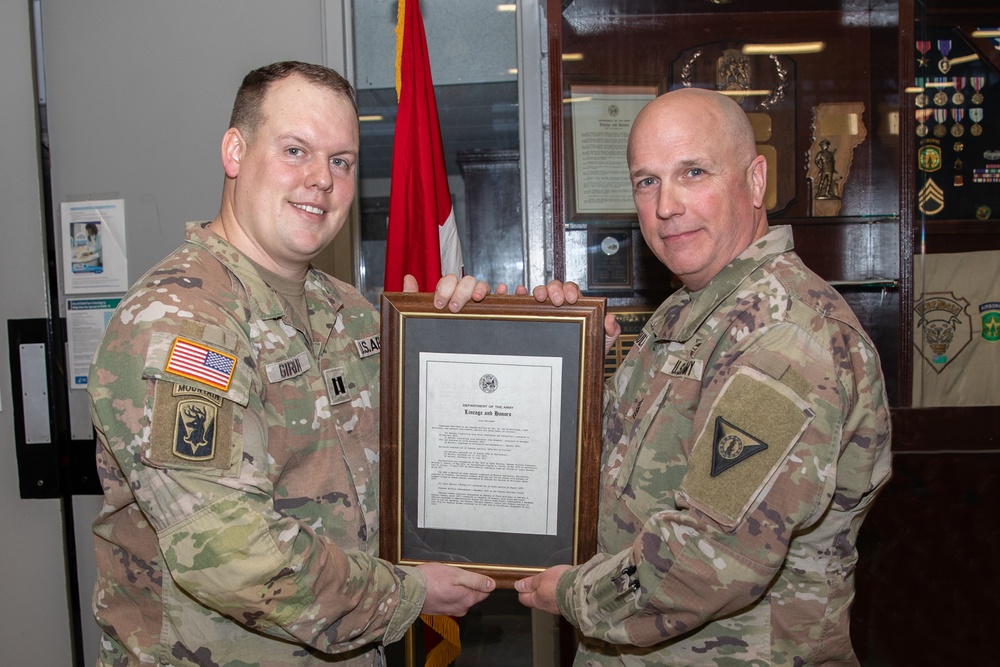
{"x": 198, "y": 362}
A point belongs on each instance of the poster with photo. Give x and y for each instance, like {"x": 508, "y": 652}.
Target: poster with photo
{"x": 93, "y": 246}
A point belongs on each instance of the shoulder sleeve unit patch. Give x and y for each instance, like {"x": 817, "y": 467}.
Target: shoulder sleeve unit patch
{"x": 191, "y": 428}
{"x": 753, "y": 425}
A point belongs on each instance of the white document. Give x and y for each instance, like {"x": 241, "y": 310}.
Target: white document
{"x": 93, "y": 246}
{"x": 86, "y": 320}
{"x": 601, "y": 125}
{"x": 489, "y": 443}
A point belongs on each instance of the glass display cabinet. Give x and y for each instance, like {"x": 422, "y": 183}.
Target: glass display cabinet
{"x": 880, "y": 121}
{"x": 820, "y": 85}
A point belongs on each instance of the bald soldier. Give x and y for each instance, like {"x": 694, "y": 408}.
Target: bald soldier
{"x": 745, "y": 436}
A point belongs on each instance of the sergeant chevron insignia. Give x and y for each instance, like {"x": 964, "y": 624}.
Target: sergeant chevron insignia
{"x": 731, "y": 446}
{"x": 931, "y": 198}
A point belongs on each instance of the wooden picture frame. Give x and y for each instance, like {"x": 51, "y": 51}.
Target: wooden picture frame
{"x": 490, "y": 438}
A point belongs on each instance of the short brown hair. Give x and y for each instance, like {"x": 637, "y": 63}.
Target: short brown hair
{"x": 248, "y": 109}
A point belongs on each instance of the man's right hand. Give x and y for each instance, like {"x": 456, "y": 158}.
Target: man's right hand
{"x": 452, "y": 590}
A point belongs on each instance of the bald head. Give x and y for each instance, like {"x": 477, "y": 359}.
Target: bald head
{"x": 705, "y": 113}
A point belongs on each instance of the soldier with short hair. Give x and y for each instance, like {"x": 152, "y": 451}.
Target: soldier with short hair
{"x": 235, "y": 397}
{"x": 746, "y": 434}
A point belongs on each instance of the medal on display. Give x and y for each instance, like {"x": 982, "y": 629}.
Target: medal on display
{"x": 922, "y": 116}
{"x": 976, "y": 115}
{"x": 921, "y": 100}
{"x": 940, "y": 116}
{"x": 957, "y": 129}
{"x": 923, "y": 47}
{"x": 988, "y": 174}
{"x": 940, "y": 97}
{"x": 958, "y": 99}
{"x": 977, "y": 83}
{"x": 958, "y": 147}
{"x": 944, "y": 46}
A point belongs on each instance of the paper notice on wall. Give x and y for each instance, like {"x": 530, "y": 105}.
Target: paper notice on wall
{"x": 86, "y": 320}
{"x": 93, "y": 246}
{"x": 956, "y": 329}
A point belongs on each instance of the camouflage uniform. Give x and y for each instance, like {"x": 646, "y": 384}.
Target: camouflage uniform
{"x": 746, "y": 436}
{"x": 240, "y": 523}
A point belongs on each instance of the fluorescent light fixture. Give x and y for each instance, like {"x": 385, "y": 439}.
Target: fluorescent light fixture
{"x": 567, "y": 57}
{"x": 939, "y": 84}
{"x": 744, "y": 93}
{"x": 368, "y": 119}
{"x": 964, "y": 59}
{"x": 914, "y": 90}
{"x": 573, "y": 100}
{"x": 791, "y": 47}
{"x": 512, "y": 70}
{"x": 991, "y": 32}
{"x": 507, "y": 7}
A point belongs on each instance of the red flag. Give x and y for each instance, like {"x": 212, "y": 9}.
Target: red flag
{"x": 422, "y": 237}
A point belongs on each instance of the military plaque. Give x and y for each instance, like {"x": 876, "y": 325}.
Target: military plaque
{"x": 491, "y": 433}
{"x": 837, "y": 130}
{"x": 609, "y": 259}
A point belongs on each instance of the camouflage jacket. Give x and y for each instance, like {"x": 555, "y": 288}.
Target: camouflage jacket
{"x": 746, "y": 435}
{"x": 239, "y": 460}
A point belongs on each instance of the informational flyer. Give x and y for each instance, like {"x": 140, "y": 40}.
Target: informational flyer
{"x": 602, "y": 120}
{"x": 489, "y": 443}
{"x": 94, "y": 253}
{"x": 86, "y": 320}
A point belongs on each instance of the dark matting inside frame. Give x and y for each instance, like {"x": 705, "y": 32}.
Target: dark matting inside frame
{"x": 502, "y": 555}
{"x": 551, "y": 339}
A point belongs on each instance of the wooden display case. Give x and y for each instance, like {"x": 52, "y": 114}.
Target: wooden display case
{"x": 847, "y": 91}
{"x": 924, "y": 581}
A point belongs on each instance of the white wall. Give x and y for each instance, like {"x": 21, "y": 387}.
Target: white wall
{"x": 35, "y": 627}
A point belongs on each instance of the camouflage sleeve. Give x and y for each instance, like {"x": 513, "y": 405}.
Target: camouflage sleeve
{"x": 762, "y": 464}
{"x": 223, "y": 541}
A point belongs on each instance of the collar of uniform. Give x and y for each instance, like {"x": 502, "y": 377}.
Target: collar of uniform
{"x": 263, "y": 298}
{"x": 697, "y": 306}
{"x": 321, "y": 287}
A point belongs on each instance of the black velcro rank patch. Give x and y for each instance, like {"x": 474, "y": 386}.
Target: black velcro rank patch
{"x": 731, "y": 446}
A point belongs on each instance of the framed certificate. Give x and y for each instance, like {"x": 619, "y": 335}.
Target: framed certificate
{"x": 601, "y": 118}
{"x": 490, "y": 437}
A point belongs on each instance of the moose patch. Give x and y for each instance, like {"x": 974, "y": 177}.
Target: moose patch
{"x": 191, "y": 428}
